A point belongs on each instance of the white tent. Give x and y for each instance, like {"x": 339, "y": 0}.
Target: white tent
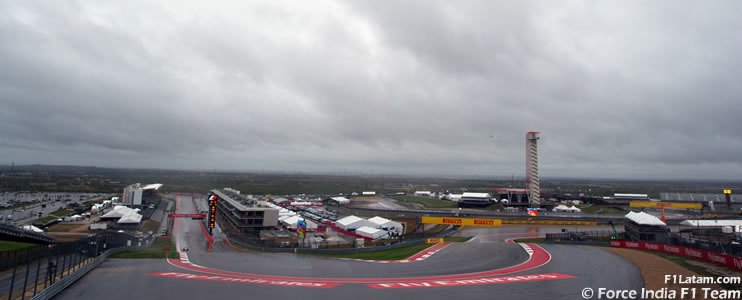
{"x": 340, "y": 200}
{"x": 118, "y": 212}
{"x": 353, "y": 222}
{"x": 643, "y": 218}
{"x": 134, "y": 218}
{"x": 561, "y": 208}
{"x": 574, "y": 209}
{"x": 454, "y": 197}
{"x": 386, "y": 224}
{"x": 370, "y": 232}
{"x": 32, "y": 228}
{"x": 73, "y": 218}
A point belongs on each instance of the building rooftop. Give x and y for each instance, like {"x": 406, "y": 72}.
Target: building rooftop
{"x": 643, "y": 218}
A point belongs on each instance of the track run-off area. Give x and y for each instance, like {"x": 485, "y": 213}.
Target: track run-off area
{"x": 490, "y": 265}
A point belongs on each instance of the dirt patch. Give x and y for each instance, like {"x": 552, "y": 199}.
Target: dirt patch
{"x": 68, "y": 228}
{"x": 654, "y": 268}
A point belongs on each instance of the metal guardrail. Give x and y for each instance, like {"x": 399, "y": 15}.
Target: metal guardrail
{"x": 58, "y": 286}
{"x": 30, "y": 272}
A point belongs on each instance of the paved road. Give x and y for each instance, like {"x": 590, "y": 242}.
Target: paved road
{"x": 590, "y": 267}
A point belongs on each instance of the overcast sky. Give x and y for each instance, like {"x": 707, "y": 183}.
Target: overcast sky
{"x": 626, "y": 89}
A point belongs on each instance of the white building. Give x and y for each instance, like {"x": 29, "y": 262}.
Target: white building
{"x": 371, "y": 232}
{"x": 387, "y": 225}
{"x": 353, "y": 222}
{"x": 423, "y": 193}
{"x": 368, "y": 193}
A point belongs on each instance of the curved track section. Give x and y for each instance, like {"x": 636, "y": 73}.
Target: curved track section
{"x": 486, "y": 267}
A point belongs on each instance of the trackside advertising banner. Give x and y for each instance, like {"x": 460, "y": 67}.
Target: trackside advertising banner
{"x": 717, "y": 258}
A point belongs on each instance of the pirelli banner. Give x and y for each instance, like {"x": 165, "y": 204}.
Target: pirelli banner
{"x": 664, "y": 204}
{"x": 462, "y": 221}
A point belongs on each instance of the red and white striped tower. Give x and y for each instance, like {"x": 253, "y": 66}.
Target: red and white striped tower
{"x": 532, "y": 185}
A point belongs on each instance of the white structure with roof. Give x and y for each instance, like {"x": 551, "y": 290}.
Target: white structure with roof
{"x": 130, "y": 219}
{"x": 561, "y": 208}
{"x": 643, "y": 218}
{"x": 454, "y": 197}
{"x": 386, "y": 224}
{"x": 118, "y": 212}
{"x": 370, "y": 232}
{"x": 711, "y": 223}
{"x": 32, "y": 228}
{"x": 368, "y": 193}
{"x": 423, "y": 193}
{"x": 352, "y": 222}
{"x": 340, "y": 200}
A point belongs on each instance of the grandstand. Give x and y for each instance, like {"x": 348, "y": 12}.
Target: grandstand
{"x": 697, "y": 197}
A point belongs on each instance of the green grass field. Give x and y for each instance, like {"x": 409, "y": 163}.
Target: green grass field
{"x": 600, "y": 209}
{"x": 530, "y": 240}
{"x": 62, "y": 212}
{"x": 150, "y": 225}
{"x": 456, "y": 239}
{"x": 8, "y": 245}
{"x": 427, "y": 202}
{"x": 391, "y": 254}
{"x": 45, "y": 219}
{"x": 156, "y": 250}
{"x": 21, "y": 205}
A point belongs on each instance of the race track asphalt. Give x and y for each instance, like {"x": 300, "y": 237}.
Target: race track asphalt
{"x": 590, "y": 267}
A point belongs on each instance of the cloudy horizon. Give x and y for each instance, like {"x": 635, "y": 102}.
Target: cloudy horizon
{"x": 623, "y": 89}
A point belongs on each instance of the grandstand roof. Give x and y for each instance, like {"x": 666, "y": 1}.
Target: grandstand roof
{"x": 631, "y": 195}
{"x": 712, "y": 223}
{"x": 32, "y": 228}
{"x": 643, "y": 218}
{"x": 153, "y": 186}
{"x": 475, "y": 195}
{"x": 133, "y": 218}
{"x": 340, "y": 199}
{"x": 119, "y": 211}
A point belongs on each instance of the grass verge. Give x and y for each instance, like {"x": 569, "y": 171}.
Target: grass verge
{"x": 390, "y": 254}
{"x": 45, "y": 219}
{"x": 62, "y": 212}
{"x": 150, "y": 225}
{"x": 529, "y": 240}
{"x": 427, "y": 202}
{"x": 601, "y": 209}
{"x": 8, "y": 245}
{"x": 156, "y": 250}
{"x": 457, "y": 239}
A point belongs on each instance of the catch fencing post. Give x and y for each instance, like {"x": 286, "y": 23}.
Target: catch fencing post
{"x": 12, "y": 279}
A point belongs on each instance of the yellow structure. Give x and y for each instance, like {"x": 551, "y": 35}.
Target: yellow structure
{"x": 664, "y": 204}
{"x": 462, "y": 221}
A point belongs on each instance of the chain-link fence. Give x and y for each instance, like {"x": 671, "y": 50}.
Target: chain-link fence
{"x": 26, "y": 272}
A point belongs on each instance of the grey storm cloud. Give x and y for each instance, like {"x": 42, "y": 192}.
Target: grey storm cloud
{"x": 619, "y": 89}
